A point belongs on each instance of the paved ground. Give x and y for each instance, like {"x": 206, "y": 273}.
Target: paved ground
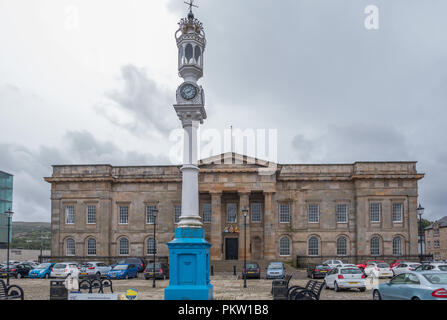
{"x": 226, "y": 287}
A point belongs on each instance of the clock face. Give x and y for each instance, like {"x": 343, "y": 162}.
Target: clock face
{"x": 188, "y": 91}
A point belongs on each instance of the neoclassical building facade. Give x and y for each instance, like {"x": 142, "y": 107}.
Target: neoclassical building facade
{"x": 359, "y": 209}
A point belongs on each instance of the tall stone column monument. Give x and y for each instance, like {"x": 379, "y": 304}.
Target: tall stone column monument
{"x": 189, "y": 252}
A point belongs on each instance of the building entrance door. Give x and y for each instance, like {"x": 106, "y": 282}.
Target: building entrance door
{"x": 231, "y": 248}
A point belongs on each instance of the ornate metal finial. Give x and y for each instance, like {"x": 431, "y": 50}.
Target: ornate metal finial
{"x": 191, "y": 4}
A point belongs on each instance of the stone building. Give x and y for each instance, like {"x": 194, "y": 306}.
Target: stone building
{"x": 436, "y": 239}
{"x": 359, "y": 209}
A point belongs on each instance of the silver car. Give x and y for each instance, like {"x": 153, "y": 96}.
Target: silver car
{"x": 435, "y": 266}
{"x": 97, "y": 268}
{"x": 405, "y": 267}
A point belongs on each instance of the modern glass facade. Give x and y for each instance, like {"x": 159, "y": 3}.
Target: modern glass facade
{"x": 6, "y": 180}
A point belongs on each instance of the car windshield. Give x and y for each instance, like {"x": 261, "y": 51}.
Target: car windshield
{"x": 351, "y": 271}
{"x": 43, "y": 266}
{"x": 321, "y": 266}
{"x": 251, "y": 266}
{"x": 443, "y": 267}
{"x": 275, "y": 266}
{"x": 60, "y": 266}
{"x": 151, "y": 266}
{"x": 436, "y": 278}
{"x": 414, "y": 265}
{"x": 383, "y": 265}
{"x": 86, "y": 265}
{"x": 120, "y": 267}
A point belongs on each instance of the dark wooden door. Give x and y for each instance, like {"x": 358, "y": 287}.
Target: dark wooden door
{"x": 231, "y": 248}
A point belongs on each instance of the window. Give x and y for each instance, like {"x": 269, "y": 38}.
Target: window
{"x": 375, "y": 209}
{"x": 313, "y": 246}
{"x": 124, "y": 215}
{"x": 375, "y": 246}
{"x": 428, "y": 244}
{"x": 70, "y": 247}
{"x": 91, "y": 214}
{"x": 284, "y": 246}
{"x": 341, "y": 211}
{"x": 342, "y": 246}
{"x": 91, "y": 247}
{"x": 151, "y": 246}
{"x": 284, "y": 213}
{"x": 231, "y": 212}
{"x": 256, "y": 212}
{"x": 397, "y": 246}
{"x": 435, "y": 243}
{"x": 313, "y": 213}
{"x": 123, "y": 246}
{"x": 177, "y": 213}
{"x": 397, "y": 212}
{"x": 206, "y": 212}
{"x": 437, "y": 256}
{"x": 435, "y": 232}
{"x": 150, "y": 218}
{"x": 69, "y": 214}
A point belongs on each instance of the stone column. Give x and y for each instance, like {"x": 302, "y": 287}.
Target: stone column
{"x": 269, "y": 222}
{"x": 244, "y": 203}
{"x": 216, "y": 226}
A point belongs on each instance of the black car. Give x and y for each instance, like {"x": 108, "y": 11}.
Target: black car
{"x": 161, "y": 271}
{"x": 17, "y": 271}
{"x": 253, "y": 271}
{"x": 318, "y": 271}
{"x": 139, "y": 262}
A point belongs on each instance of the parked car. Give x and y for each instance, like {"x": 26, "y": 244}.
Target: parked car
{"x": 252, "y": 271}
{"x": 333, "y": 263}
{"x": 395, "y": 263}
{"x": 405, "y": 267}
{"x": 364, "y": 265}
{"x": 423, "y": 285}
{"x": 318, "y": 271}
{"x": 97, "y": 268}
{"x": 16, "y": 270}
{"x": 378, "y": 270}
{"x": 43, "y": 270}
{"x": 140, "y": 263}
{"x": 123, "y": 271}
{"x": 435, "y": 266}
{"x": 275, "y": 270}
{"x": 345, "y": 278}
{"x": 161, "y": 271}
{"x": 64, "y": 269}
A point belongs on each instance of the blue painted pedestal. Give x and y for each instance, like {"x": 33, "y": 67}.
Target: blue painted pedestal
{"x": 189, "y": 265}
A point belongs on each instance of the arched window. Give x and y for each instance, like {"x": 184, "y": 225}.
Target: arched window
{"x": 70, "y": 249}
{"x": 197, "y": 54}
{"x": 123, "y": 246}
{"x": 151, "y": 246}
{"x": 342, "y": 246}
{"x": 284, "y": 246}
{"x": 375, "y": 246}
{"x": 180, "y": 55}
{"x": 397, "y": 246}
{"x": 313, "y": 246}
{"x": 91, "y": 247}
{"x": 188, "y": 52}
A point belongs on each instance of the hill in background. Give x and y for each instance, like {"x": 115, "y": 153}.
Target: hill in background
{"x": 27, "y": 235}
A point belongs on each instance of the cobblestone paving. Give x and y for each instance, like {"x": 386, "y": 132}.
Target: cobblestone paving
{"x": 226, "y": 287}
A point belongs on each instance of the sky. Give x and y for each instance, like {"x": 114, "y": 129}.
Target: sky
{"x": 93, "y": 82}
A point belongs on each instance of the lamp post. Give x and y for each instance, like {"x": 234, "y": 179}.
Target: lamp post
{"x": 245, "y": 211}
{"x": 154, "y": 216}
{"x": 9, "y": 213}
{"x": 420, "y": 211}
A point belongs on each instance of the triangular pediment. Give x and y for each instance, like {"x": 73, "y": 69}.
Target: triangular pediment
{"x": 231, "y": 159}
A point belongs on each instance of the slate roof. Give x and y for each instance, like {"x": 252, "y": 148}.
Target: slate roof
{"x": 442, "y": 223}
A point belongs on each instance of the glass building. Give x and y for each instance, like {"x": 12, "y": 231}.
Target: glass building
{"x": 5, "y": 204}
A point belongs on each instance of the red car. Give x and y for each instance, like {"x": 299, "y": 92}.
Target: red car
{"x": 363, "y": 265}
{"x": 396, "y": 263}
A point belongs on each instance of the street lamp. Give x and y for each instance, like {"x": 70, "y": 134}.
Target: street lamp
{"x": 10, "y": 214}
{"x": 420, "y": 211}
{"x": 154, "y": 213}
{"x": 245, "y": 212}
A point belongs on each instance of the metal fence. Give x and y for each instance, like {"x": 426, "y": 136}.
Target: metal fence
{"x": 107, "y": 260}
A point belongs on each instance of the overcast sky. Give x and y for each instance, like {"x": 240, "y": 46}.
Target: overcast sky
{"x": 93, "y": 81}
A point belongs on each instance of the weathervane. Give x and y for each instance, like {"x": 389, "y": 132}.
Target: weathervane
{"x": 191, "y": 4}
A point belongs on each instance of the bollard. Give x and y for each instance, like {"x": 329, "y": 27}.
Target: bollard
{"x": 212, "y": 270}
{"x": 234, "y": 270}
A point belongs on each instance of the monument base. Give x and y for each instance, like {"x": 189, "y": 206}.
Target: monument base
{"x": 189, "y": 266}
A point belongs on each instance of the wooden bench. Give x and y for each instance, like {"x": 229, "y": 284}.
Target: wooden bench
{"x": 311, "y": 291}
{"x": 12, "y": 292}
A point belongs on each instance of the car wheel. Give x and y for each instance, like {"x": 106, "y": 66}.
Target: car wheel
{"x": 362, "y": 289}
{"x": 336, "y": 288}
{"x": 376, "y": 295}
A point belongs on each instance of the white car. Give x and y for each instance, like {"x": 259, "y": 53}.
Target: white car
{"x": 94, "y": 268}
{"x": 436, "y": 266}
{"x": 64, "y": 269}
{"x": 405, "y": 267}
{"x": 379, "y": 270}
{"x": 345, "y": 278}
{"x": 333, "y": 263}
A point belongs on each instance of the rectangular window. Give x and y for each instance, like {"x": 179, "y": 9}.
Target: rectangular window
{"x": 397, "y": 212}
{"x": 91, "y": 214}
{"x": 341, "y": 211}
{"x": 428, "y": 245}
{"x": 177, "y": 213}
{"x": 69, "y": 214}
{"x": 256, "y": 212}
{"x": 206, "y": 212}
{"x": 313, "y": 211}
{"x": 436, "y": 244}
{"x": 124, "y": 215}
{"x": 284, "y": 213}
{"x": 231, "y": 212}
{"x": 435, "y": 232}
{"x": 375, "y": 209}
{"x": 150, "y": 219}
